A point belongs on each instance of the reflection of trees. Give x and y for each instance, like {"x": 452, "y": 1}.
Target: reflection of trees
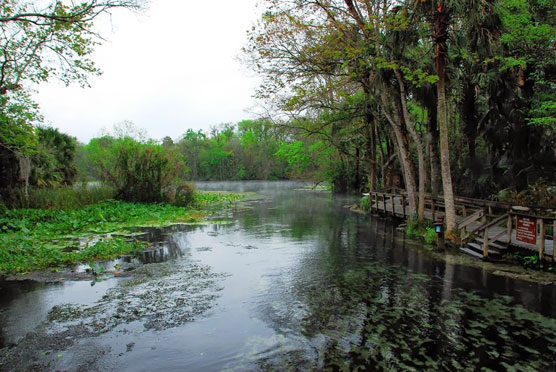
{"x": 167, "y": 243}
{"x": 384, "y": 305}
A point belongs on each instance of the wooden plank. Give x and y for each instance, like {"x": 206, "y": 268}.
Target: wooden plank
{"x": 492, "y": 223}
{"x": 494, "y": 238}
{"x": 471, "y": 252}
{"x": 485, "y": 243}
{"x": 393, "y": 205}
{"x": 541, "y": 242}
{"x": 473, "y": 218}
{"x": 509, "y": 229}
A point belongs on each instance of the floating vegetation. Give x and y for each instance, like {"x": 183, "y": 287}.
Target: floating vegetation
{"x": 384, "y": 318}
{"x": 158, "y": 296}
{"x": 33, "y": 239}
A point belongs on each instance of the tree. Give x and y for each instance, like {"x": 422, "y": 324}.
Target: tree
{"x": 54, "y": 162}
{"x": 56, "y": 40}
{"x": 40, "y": 41}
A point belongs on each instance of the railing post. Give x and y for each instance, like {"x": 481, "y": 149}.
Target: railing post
{"x": 509, "y": 229}
{"x": 485, "y": 243}
{"x": 384, "y": 203}
{"x": 393, "y": 207}
{"x": 489, "y": 210}
{"x": 554, "y": 240}
{"x": 432, "y": 207}
{"x": 376, "y": 201}
{"x": 463, "y": 232}
{"x": 541, "y": 242}
{"x": 403, "y": 206}
{"x": 464, "y": 211}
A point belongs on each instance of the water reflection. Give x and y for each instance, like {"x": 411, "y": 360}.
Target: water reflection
{"x": 313, "y": 286}
{"x": 371, "y": 301}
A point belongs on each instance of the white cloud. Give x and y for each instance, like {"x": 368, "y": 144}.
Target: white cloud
{"x": 167, "y": 71}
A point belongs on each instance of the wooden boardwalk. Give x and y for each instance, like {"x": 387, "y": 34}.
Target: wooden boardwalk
{"x": 487, "y": 228}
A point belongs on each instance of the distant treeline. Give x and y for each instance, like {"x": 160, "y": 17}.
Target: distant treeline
{"x": 248, "y": 150}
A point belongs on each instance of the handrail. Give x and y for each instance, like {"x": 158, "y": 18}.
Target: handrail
{"x": 472, "y": 218}
{"x": 492, "y": 223}
{"x": 553, "y": 218}
{"x": 478, "y": 202}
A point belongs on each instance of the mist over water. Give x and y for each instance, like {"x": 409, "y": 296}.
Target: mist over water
{"x": 299, "y": 282}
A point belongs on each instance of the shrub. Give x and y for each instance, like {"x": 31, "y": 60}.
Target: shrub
{"x": 538, "y": 193}
{"x": 415, "y": 228}
{"x": 140, "y": 172}
{"x": 184, "y": 195}
{"x": 430, "y": 235}
{"x": 365, "y": 203}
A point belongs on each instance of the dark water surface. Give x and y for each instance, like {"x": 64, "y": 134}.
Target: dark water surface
{"x": 298, "y": 282}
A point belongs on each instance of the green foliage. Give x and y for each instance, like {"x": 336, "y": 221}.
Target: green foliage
{"x": 420, "y": 229}
{"x": 40, "y": 42}
{"x": 430, "y": 235}
{"x": 141, "y": 172}
{"x": 296, "y": 155}
{"x": 184, "y": 195}
{"x": 17, "y": 113}
{"x": 413, "y": 227}
{"x": 539, "y": 193}
{"x": 365, "y": 204}
{"x": 33, "y": 239}
{"x": 69, "y": 197}
{"x": 53, "y": 164}
{"x": 530, "y": 261}
{"x": 215, "y": 200}
{"x": 343, "y": 88}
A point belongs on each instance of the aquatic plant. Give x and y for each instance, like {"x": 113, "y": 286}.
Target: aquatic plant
{"x": 377, "y": 317}
{"x": 33, "y": 239}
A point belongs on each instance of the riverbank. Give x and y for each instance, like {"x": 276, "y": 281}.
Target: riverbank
{"x": 452, "y": 256}
{"x": 39, "y": 239}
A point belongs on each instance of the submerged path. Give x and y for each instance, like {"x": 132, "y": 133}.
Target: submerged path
{"x": 294, "y": 282}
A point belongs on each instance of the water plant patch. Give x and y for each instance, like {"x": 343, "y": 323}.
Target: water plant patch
{"x": 32, "y": 239}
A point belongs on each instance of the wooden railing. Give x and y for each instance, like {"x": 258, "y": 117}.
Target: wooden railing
{"x": 481, "y": 215}
{"x": 485, "y": 230}
{"x": 475, "y": 217}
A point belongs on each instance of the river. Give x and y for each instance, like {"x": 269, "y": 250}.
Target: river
{"x": 292, "y": 281}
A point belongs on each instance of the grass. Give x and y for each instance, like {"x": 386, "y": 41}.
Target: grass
{"x": 365, "y": 204}
{"x": 423, "y": 229}
{"x": 32, "y": 239}
{"x": 69, "y": 197}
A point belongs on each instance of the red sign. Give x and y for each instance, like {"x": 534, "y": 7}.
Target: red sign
{"x": 526, "y": 230}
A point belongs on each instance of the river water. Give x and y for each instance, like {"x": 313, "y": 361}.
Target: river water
{"x": 296, "y": 281}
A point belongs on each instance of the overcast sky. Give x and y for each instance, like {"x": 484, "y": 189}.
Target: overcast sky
{"x": 168, "y": 70}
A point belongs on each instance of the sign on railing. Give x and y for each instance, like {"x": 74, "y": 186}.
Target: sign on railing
{"x": 526, "y": 230}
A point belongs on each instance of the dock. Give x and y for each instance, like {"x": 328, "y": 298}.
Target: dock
{"x": 486, "y": 228}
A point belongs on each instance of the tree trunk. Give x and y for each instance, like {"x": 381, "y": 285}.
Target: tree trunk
{"x": 440, "y": 36}
{"x": 432, "y": 139}
{"x": 418, "y": 143}
{"x": 404, "y": 153}
{"x": 371, "y": 154}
